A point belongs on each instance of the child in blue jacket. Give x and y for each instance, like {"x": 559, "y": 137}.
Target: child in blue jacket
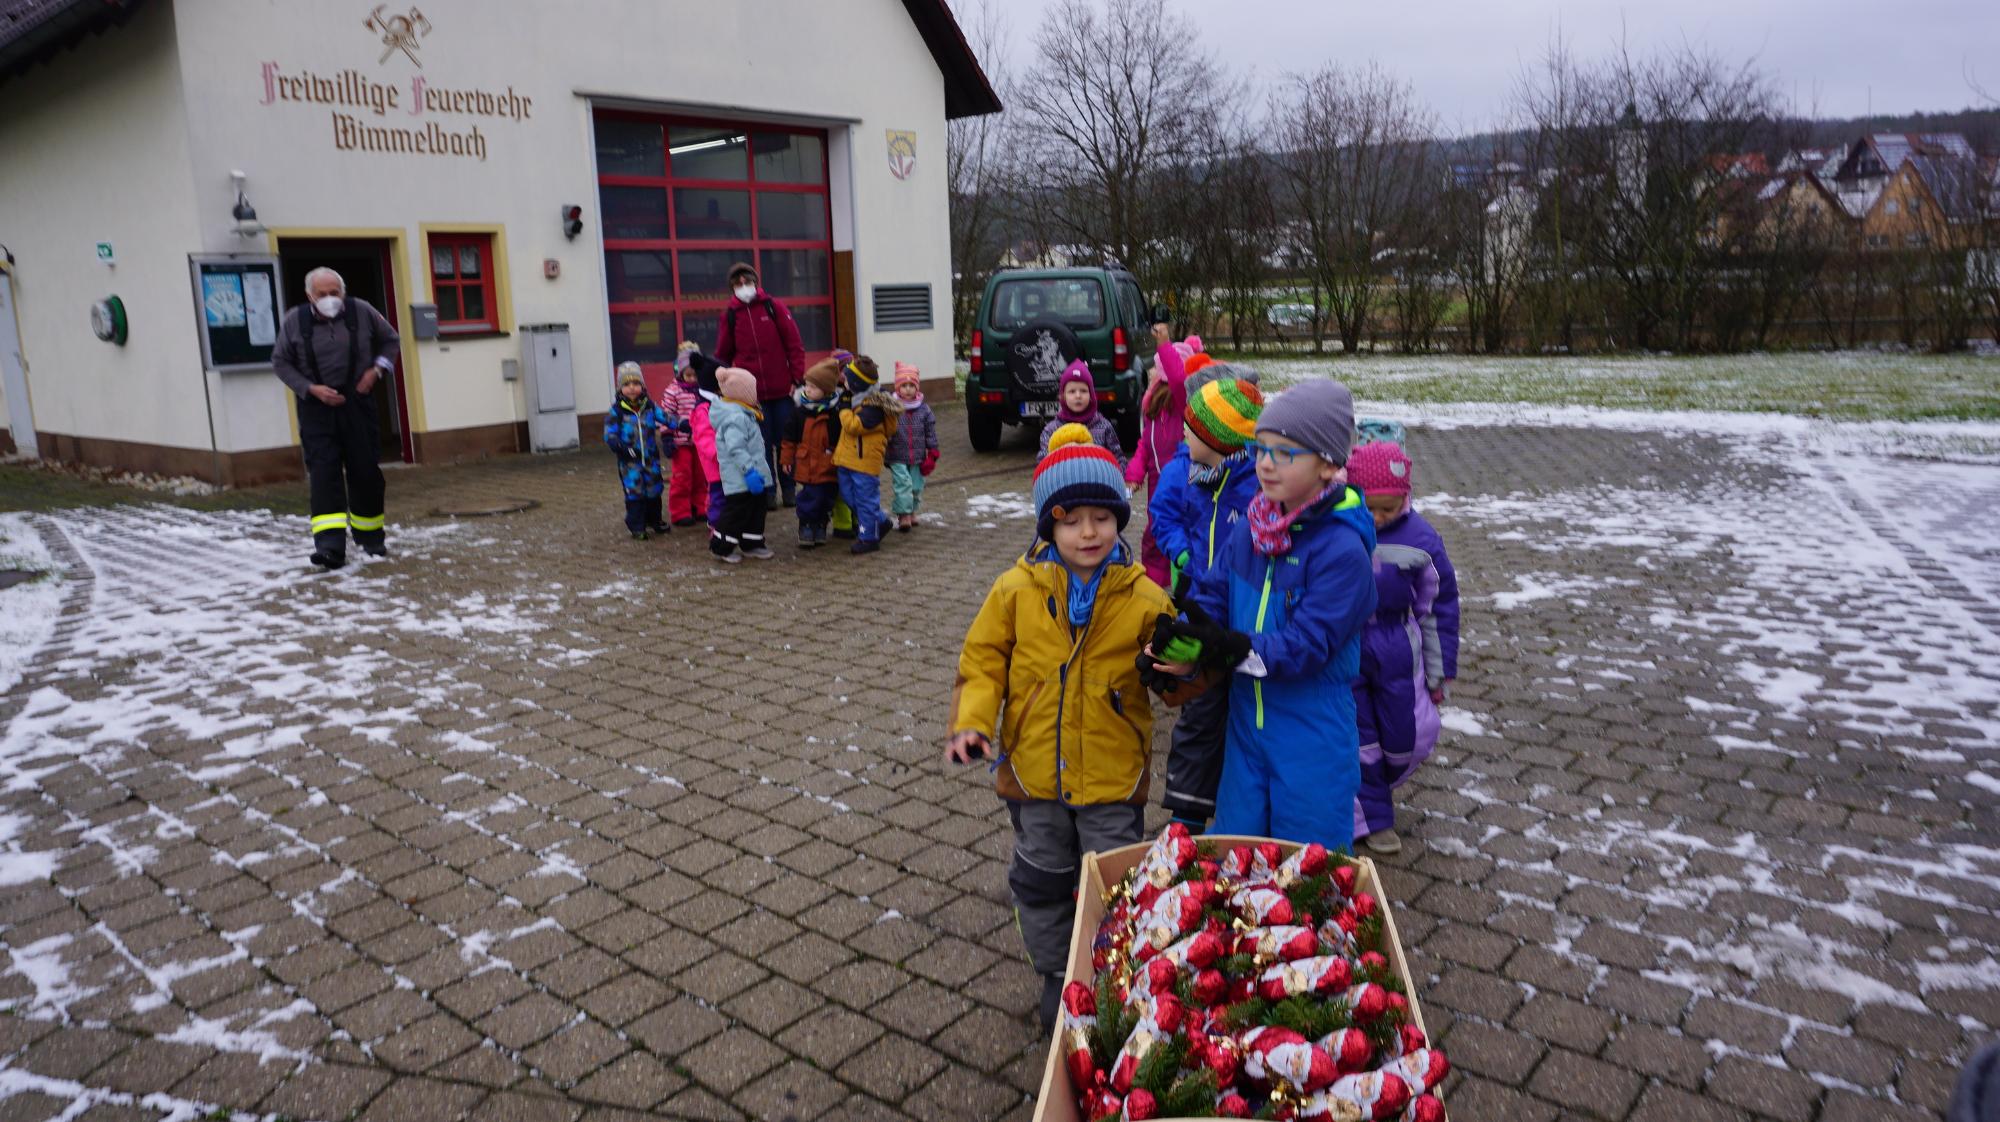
{"x": 1203, "y": 493}
{"x": 1282, "y": 610}
{"x": 638, "y": 434}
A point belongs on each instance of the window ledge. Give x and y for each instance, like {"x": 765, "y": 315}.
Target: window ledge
{"x": 448, "y": 335}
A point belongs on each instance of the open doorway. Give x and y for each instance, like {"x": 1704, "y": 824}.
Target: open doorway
{"x": 366, "y": 266}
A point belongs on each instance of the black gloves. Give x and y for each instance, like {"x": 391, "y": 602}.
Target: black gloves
{"x": 1221, "y": 648}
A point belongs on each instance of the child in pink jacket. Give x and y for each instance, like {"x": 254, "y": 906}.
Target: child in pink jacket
{"x": 699, "y": 427}
{"x": 1160, "y": 434}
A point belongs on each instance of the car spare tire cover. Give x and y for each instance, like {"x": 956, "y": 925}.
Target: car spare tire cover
{"x": 1039, "y": 353}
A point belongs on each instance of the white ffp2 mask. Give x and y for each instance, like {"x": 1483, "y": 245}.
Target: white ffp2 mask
{"x": 746, "y": 292}
{"x": 328, "y": 306}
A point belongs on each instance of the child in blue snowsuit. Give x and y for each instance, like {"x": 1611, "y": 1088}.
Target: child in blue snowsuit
{"x": 640, "y": 437}
{"x": 1282, "y": 610}
{"x": 1203, "y": 493}
{"x": 1409, "y": 649}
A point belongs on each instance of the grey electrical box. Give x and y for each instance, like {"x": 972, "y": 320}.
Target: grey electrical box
{"x": 423, "y": 321}
{"x": 550, "y": 388}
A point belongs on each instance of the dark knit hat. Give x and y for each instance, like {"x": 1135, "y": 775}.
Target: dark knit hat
{"x": 1074, "y": 474}
{"x": 1223, "y": 415}
{"x": 860, "y": 373}
{"x": 1317, "y": 415}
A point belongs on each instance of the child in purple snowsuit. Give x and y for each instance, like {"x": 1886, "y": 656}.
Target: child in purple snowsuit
{"x": 1409, "y": 649}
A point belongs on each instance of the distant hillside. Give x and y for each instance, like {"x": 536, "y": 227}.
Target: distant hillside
{"x": 1980, "y": 126}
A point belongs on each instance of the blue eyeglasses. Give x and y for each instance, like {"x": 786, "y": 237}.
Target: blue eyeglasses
{"x": 1282, "y": 457}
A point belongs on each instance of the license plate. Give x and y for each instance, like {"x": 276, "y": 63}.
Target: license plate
{"x": 1038, "y": 409}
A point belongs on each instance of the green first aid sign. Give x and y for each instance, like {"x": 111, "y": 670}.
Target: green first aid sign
{"x": 105, "y": 255}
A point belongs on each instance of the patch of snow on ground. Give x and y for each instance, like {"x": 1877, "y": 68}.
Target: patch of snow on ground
{"x": 1008, "y": 504}
{"x": 28, "y": 610}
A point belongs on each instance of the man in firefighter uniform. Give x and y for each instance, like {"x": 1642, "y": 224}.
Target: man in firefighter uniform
{"x": 335, "y": 353}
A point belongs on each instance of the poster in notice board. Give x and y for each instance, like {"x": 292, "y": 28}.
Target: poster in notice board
{"x": 236, "y": 299}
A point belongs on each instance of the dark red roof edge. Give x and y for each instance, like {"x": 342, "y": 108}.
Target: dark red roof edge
{"x": 967, "y": 93}
{"x": 45, "y": 30}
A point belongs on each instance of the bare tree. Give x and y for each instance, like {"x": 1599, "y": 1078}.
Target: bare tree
{"x": 1113, "y": 96}
{"x": 1659, "y": 205}
{"x": 1356, "y": 155}
{"x": 978, "y": 170}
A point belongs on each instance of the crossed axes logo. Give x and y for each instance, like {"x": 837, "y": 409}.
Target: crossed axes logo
{"x": 399, "y": 32}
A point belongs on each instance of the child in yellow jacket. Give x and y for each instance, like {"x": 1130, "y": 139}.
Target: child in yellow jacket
{"x": 868, "y": 416}
{"x": 1048, "y": 686}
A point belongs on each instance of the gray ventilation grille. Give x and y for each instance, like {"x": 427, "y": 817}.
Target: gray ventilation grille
{"x": 902, "y": 307}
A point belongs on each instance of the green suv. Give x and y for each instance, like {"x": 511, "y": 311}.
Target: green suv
{"x": 1032, "y": 324}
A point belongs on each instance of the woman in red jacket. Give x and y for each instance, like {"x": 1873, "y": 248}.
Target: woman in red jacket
{"x": 759, "y": 335}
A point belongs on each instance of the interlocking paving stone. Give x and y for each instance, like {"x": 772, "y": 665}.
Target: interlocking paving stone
{"x": 614, "y": 833}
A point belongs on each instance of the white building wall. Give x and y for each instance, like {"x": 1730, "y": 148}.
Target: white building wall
{"x": 859, "y": 60}
{"x": 93, "y": 147}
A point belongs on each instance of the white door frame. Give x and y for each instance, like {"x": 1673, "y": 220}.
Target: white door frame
{"x": 14, "y": 373}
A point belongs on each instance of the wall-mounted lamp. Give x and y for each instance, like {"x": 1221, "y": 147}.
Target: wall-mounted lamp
{"x": 572, "y": 221}
{"x": 245, "y": 214}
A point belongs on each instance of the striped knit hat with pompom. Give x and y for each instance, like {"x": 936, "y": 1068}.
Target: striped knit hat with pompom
{"x": 1223, "y": 414}
{"x": 1077, "y": 473}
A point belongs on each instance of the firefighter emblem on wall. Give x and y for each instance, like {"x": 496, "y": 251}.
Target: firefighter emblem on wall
{"x": 399, "y": 32}
{"x": 902, "y": 153}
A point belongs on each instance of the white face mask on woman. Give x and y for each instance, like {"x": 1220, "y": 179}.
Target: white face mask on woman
{"x": 746, "y": 292}
{"x": 328, "y": 306}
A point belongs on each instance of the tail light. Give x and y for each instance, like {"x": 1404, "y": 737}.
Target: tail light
{"x": 988, "y": 397}
{"x": 1121, "y": 350}
{"x": 1107, "y": 396}
{"x": 978, "y": 352}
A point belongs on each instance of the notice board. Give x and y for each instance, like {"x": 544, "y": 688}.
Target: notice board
{"x": 238, "y": 309}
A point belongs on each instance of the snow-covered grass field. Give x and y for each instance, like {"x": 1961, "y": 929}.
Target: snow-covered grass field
{"x": 1845, "y": 385}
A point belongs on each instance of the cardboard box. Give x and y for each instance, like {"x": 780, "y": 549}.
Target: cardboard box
{"x": 1056, "y": 1102}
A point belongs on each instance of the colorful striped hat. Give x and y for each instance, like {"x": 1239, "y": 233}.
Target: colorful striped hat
{"x": 1077, "y": 473}
{"x": 1223, "y": 414}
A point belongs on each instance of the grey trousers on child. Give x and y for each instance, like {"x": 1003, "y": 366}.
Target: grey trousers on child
{"x": 1050, "y": 839}
{"x": 1194, "y": 756}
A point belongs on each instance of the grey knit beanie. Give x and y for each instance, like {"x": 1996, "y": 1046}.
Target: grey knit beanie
{"x": 1318, "y": 415}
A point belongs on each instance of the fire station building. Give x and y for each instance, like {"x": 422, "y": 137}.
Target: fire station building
{"x": 531, "y": 193}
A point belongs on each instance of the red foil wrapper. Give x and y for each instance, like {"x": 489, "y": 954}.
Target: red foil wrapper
{"x": 1365, "y": 1095}
{"x": 1367, "y": 1002}
{"x": 1229, "y": 1104}
{"x": 1100, "y": 1104}
{"x": 1158, "y": 1020}
{"x": 1079, "y": 1022}
{"x": 1171, "y": 853}
{"x": 1425, "y": 1108}
{"x": 1262, "y": 904}
{"x": 1198, "y": 951}
{"x": 1305, "y": 863}
{"x": 1422, "y": 1069}
{"x": 1345, "y": 877}
{"x": 1374, "y": 963}
{"x": 1324, "y": 974}
{"x": 1288, "y": 943}
{"x": 1364, "y": 906}
{"x": 1210, "y": 987}
{"x": 1398, "y": 1006}
{"x": 1412, "y": 1039}
{"x": 1174, "y": 914}
{"x": 1337, "y": 939}
{"x": 1271, "y": 1053}
{"x": 1140, "y": 1106}
{"x": 1349, "y": 1048}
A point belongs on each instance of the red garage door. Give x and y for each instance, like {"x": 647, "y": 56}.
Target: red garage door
{"x": 684, "y": 199}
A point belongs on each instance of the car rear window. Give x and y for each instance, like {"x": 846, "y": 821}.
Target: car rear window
{"x": 1077, "y": 301}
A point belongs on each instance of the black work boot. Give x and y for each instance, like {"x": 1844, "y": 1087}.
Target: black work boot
{"x": 1052, "y": 987}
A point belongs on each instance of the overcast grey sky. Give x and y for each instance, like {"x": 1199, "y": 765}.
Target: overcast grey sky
{"x": 1832, "y": 56}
